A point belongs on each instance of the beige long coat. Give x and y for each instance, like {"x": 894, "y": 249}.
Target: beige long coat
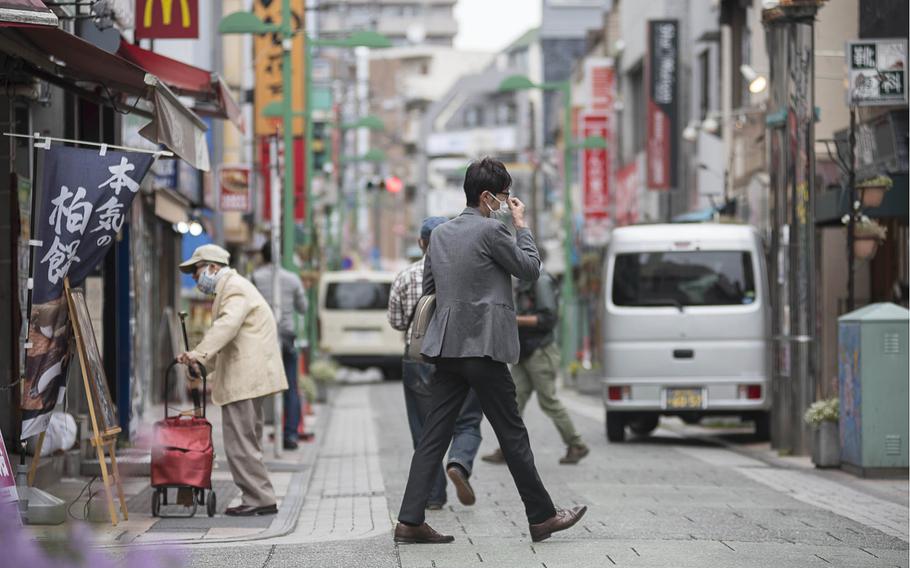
{"x": 242, "y": 345}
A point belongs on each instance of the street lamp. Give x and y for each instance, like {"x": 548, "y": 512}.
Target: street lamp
{"x": 521, "y": 83}
{"x": 249, "y": 23}
{"x": 757, "y": 82}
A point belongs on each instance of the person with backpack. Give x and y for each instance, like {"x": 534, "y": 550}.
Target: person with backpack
{"x": 417, "y": 377}
{"x": 537, "y": 312}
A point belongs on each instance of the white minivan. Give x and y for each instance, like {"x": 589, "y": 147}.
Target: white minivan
{"x": 353, "y": 328}
{"x": 687, "y": 326}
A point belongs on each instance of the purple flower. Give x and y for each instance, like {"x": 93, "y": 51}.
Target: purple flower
{"x": 77, "y": 550}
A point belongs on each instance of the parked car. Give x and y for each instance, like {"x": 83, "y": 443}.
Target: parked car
{"x": 687, "y": 326}
{"x": 352, "y": 321}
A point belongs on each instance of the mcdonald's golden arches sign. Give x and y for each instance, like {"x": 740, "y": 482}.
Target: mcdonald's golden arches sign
{"x": 167, "y": 19}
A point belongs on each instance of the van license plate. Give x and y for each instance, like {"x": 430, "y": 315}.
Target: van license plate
{"x": 684, "y": 398}
{"x": 363, "y": 336}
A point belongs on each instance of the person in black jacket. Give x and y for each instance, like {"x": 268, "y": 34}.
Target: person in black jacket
{"x": 537, "y": 309}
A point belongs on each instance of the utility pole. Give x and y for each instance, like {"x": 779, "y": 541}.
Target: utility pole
{"x": 791, "y": 133}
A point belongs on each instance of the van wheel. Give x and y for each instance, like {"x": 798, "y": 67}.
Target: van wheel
{"x": 645, "y": 425}
{"x": 762, "y": 426}
{"x": 616, "y": 427}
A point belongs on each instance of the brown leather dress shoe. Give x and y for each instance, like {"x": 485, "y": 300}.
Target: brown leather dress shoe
{"x": 562, "y": 520}
{"x": 250, "y": 511}
{"x": 462, "y": 486}
{"x": 574, "y": 454}
{"x": 424, "y": 534}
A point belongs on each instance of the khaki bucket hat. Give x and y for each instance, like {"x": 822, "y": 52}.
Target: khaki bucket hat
{"x": 205, "y": 253}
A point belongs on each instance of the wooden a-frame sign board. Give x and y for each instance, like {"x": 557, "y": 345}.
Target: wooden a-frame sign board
{"x": 105, "y": 427}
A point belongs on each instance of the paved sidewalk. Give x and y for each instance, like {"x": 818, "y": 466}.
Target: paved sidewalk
{"x": 676, "y": 499}
{"x": 288, "y": 474}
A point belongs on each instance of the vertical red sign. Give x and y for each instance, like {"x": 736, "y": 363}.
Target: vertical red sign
{"x": 626, "y": 199}
{"x": 598, "y": 121}
{"x": 662, "y": 108}
{"x": 167, "y": 19}
{"x": 299, "y": 164}
{"x": 596, "y": 169}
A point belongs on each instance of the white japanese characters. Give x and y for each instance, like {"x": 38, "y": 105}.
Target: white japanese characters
{"x": 73, "y": 211}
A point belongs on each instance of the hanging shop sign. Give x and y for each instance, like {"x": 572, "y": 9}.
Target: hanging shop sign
{"x": 234, "y": 181}
{"x": 267, "y": 54}
{"x": 595, "y": 169}
{"x": 167, "y": 19}
{"x": 86, "y": 198}
{"x": 627, "y": 183}
{"x": 663, "y": 104}
{"x": 877, "y": 72}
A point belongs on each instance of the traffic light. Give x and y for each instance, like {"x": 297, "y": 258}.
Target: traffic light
{"x": 393, "y": 184}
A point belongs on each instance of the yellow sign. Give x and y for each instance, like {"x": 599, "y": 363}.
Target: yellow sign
{"x": 267, "y": 54}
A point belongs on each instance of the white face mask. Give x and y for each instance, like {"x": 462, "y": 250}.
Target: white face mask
{"x": 504, "y": 213}
{"x": 208, "y": 281}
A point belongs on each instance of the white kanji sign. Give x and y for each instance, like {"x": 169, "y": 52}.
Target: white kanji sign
{"x": 119, "y": 178}
{"x": 71, "y": 210}
{"x": 59, "y": 258}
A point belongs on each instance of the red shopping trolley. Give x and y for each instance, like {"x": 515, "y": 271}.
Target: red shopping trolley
{"x": 183, "y": 455}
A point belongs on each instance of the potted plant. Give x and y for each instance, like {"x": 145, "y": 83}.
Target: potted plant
{"x": 822, "y": 415}
{"x": 323, "y": 373}
{"x": 872, "y": 190}
{"x": 867, "y": 234}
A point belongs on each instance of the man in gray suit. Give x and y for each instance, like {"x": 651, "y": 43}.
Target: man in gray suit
{"x": 472, "y": 338}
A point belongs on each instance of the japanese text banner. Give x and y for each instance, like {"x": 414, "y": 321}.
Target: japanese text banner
{"x": 86, "y": 199}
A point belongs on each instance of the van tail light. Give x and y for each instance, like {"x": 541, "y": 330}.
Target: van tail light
{"x": 750, "y": 392}
{"x": 618, "y": 393}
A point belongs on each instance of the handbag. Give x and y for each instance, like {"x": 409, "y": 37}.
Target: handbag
{"x": 420, "y": 321}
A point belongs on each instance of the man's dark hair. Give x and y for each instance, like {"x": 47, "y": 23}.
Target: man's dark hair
{"x": 266, "y": 252}
{"x": 485, "y": 175}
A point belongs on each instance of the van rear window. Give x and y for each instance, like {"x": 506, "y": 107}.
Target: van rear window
{"x": 683, "y": 278}
{"x": 358, "y": 295}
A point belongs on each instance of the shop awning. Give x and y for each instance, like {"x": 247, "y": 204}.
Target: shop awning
{"x": 26, "y": 12}
{"x": 64, "y": 56}
{"x": 207, "y": 88}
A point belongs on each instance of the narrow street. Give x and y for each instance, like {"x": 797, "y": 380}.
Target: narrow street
{"x": 671, "y": 500}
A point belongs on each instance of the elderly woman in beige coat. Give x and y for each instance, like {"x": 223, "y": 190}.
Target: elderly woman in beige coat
{"x": 242, "y": 353}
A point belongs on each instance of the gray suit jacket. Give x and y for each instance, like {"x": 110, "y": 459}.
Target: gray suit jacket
{"x": 469, "y": 268}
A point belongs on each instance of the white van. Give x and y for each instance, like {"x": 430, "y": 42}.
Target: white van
{"x": 687, "y": 326}
{"x": 353, "y": 328}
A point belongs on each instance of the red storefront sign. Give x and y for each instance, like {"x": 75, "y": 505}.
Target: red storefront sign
{"x": 265, "y": 174}
{"x": 627, "y": 182}
{"x": 167, "y": 19}
{"x": 596, "y": 169}
{"x": 234, "y": 181}
{"x": 663, "y": 104}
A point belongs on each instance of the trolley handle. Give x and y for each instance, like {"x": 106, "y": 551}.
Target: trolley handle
{"x": 167, "y": 374}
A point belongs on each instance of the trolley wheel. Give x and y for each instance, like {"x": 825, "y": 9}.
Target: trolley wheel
{"x": 156, "y": 502}
{"x": 211, "y": 504}
{"x": 200, "y": 496}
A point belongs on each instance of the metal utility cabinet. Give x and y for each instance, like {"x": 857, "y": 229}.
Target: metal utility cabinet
{"x": 874, "y": 375}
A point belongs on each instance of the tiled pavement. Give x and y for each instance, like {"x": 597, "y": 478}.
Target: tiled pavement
{"x": 675, "y": 499}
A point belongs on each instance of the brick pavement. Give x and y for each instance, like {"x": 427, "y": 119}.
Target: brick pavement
{"x": 668, "y": 500}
